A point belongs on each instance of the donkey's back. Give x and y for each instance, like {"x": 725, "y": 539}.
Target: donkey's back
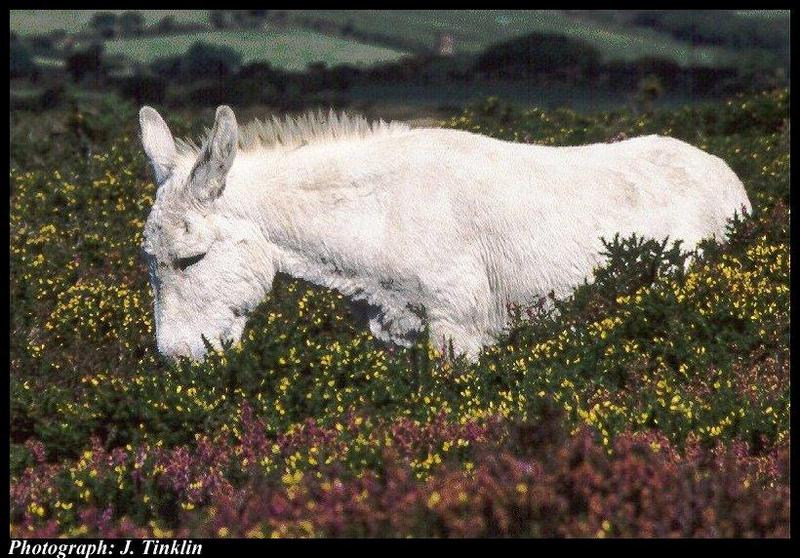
{"x": 477, "y": 222}
{"x": 427, "y": 224}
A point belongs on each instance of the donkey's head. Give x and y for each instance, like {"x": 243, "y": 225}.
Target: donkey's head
{"x": 207, "y": 260}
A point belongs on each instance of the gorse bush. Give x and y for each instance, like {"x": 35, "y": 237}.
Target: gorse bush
{"x": 660, "y": 386}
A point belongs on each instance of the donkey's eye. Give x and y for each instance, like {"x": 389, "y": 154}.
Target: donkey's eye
{"x": 183, "y": 263}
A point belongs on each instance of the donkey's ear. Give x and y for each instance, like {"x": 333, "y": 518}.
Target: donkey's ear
{"x": 158, "y": 143}
{"x": 207, "y": 180}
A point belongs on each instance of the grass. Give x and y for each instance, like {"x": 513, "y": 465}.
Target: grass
{"x": 474, "y": 30}
{"x": 765, "y": 14}
{"x": 288, "y": 49}
{"x": 34, "y": 22}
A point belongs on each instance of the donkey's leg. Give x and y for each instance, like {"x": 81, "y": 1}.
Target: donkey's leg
{"x": 460, "y": 308}
{"x": 464, "y": 340}
{"x": 395, "y": 324}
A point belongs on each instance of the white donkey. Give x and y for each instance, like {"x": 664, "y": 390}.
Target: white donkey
{"x": 417, "y": 224}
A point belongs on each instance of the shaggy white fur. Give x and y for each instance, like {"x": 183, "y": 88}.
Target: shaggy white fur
{"x": 296, "y": 131}
{"x": 420, "y": 224}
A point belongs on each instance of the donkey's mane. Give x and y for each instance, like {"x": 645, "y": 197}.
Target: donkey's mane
{"x": 296, "y": 131}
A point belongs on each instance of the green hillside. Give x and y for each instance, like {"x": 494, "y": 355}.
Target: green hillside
{"x": 288, "y": 49}
{"x": 34, "y": 22}
{"x": 473, "y": 31}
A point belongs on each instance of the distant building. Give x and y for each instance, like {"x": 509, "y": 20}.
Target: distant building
{"x": 447, "y": 45}
{"x": 67, "y": 44}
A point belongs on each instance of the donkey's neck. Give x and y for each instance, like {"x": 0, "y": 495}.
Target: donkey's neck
{"x": 303, "y": 201}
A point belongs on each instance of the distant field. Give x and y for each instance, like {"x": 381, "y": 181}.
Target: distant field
{"x": 766, "y": 14}
{"x": 474, "y": 30}
{"x": 32, "y": 22}
{"x": 289, "y": 49}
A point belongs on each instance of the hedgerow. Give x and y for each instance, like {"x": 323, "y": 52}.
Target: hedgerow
{"x": 661, "y": 386}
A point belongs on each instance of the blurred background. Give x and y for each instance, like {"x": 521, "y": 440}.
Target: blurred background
{"x": 405, "y": 64}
